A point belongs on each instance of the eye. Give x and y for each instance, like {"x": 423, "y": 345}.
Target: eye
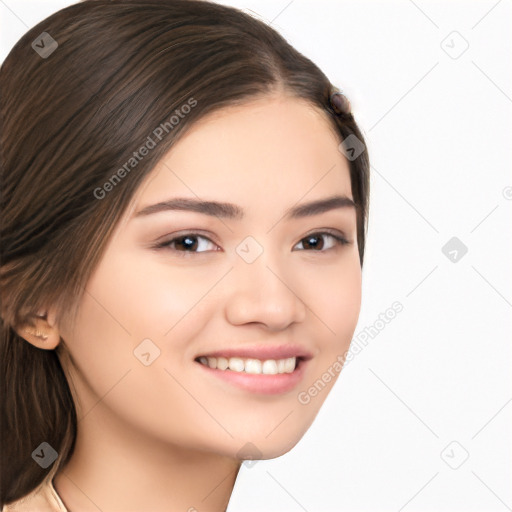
{"x": 191, "y": 243}
{"x": 314, "y": 240}
{"x": 187, "y": 241}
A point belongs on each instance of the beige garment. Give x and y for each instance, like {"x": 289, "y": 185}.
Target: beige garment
{"x": 43, "y": 498}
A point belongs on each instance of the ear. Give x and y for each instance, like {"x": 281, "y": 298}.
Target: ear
{"x": 41, "y": 330}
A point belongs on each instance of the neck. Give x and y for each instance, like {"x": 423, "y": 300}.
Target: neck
{"x": 114, "y": 468}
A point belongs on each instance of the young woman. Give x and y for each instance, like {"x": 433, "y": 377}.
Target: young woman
{"x": 184, "y": 208}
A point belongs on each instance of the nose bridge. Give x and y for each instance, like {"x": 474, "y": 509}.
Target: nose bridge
{"x": 261, "y": 291}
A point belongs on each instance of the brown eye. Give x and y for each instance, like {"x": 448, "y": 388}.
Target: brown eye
{"x": 190, "y": 243}
{"x": 187, "y": 243}
{"x": 315, "y": 241}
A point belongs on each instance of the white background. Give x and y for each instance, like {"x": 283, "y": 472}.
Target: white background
{"x": 439, "y": 135}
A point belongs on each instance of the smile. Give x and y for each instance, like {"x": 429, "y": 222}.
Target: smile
{"x": 267, "y": 377}
{"x": 250, "y": 365}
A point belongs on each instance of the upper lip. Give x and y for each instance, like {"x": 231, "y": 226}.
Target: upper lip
{"x": 262, "y": 352}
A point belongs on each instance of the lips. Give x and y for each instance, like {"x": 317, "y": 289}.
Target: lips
{"x": 262, "y": 352}
{"x": 260, "y": 384}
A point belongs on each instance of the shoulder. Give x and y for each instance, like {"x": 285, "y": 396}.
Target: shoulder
{"x": 42, "y": 499}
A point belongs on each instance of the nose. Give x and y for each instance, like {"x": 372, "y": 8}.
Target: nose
{"x": 261, "y": 292}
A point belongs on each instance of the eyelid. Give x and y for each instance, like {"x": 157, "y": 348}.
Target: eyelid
{"x": 211, "y": 236}
{"x": 328, "y": 231}
{"x": 163, "y": 242}
{"x": 341, "y": 240}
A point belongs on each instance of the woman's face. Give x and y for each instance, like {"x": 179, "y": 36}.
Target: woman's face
{"x": 257, "y": 281}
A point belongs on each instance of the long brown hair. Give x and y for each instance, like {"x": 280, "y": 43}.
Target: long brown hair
{"x": 81, "y": 92}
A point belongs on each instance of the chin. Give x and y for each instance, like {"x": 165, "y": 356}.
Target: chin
{"x": 264, "y": 446}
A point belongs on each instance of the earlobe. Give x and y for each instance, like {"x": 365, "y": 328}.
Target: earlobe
{"x": 43, "y": 332}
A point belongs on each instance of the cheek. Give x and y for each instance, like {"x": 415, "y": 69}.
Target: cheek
{"x": 121, "y": 307}
{"x": 146, "y": 296}
{"x": 334, "y": 298}
{"x": 346, "y": 305}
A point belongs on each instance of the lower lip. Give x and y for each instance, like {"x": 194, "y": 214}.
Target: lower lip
{"x": 261, "y": 383}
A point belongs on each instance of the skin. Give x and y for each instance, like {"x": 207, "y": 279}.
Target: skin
{"x": 164, "y": 436}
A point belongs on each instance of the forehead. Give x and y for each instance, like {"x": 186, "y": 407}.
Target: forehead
{"x": 272, "y": 151}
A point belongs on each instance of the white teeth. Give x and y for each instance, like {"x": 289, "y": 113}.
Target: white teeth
{"x": 289, "y": 365}
{"x": 255, "y": 366}
{"x": 252, "y": 366}
{"x": 236, "y": 364}
{"x": 222, "y": 363}
{"x": 269, "y": 367}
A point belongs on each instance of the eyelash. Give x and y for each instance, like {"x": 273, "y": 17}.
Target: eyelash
{"x": 340, "y": 241}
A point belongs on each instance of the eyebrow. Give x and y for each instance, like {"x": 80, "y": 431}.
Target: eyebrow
{"x": 235, "y": 212}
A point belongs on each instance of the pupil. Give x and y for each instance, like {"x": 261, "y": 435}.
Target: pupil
{"x": 314, "y": 238}
{"x": 188, "y": 242}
